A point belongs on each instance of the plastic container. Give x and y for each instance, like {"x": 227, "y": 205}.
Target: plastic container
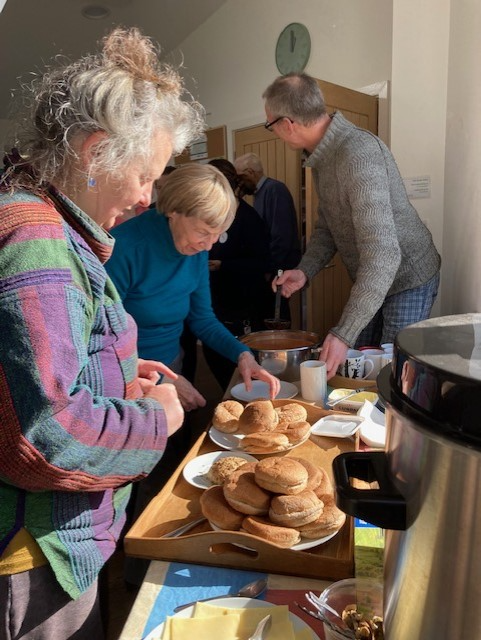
{"x": 365, "y": 593}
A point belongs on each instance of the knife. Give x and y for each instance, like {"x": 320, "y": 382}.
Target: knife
{"x": 184, "y": 528}
{"x": 262, "y": 629}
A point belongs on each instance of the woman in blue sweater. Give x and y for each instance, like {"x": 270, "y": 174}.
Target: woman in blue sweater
{"x": 160, "y": 268}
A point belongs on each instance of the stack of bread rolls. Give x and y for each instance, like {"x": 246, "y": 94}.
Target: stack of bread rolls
{"x": 279, "y": 499}
{"x": 265, "y": 428}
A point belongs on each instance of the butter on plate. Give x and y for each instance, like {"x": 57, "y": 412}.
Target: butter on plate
{"x": 210, "y": 621}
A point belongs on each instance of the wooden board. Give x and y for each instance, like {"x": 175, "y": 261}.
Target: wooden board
{"x": 178, "y": 502}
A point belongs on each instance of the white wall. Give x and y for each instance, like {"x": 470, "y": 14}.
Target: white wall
{"x": 231, "y": 56}
{"x": 462, "y": 219}
{"x": 418, "y": 102}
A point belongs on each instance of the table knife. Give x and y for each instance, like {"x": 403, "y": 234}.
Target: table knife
{"x": 184, "y": 528}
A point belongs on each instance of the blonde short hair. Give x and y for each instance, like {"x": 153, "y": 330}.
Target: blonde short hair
{"x": 200, "y": 191}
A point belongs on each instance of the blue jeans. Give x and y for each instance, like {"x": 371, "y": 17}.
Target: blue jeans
{"x": 399, "y": 311}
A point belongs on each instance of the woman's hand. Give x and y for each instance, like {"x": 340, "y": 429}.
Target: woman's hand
{"x": 166, "y": 395}
{"x": 149, "y": 372}
{"x": 291, "y": 281}
{"x": 249, "y": 369}
{"x": 214, "y": 265}
{"x": 333, "y": 353}
{"x": 189, "y": 397}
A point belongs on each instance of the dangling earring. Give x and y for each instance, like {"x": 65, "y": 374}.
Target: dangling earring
{"x": 91, "y": 182}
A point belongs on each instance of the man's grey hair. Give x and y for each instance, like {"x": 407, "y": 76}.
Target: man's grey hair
{"x": 248, "y": 161}
{"x": 296, "y": 96}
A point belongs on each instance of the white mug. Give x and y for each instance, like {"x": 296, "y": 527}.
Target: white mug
{"x": 376, "y": 357}
{"x": 313, "y": 381}
{"x": 354, "y": 366}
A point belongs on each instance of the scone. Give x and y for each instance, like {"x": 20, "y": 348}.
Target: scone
{"x": 226, "y": 416}
{"x": 330, "y": 520}
{"x": 243, "y": 494}
{"x": 285, "y": 537}
{"x": 281, "y": 475}
{"x": 295, "y": 510}
{"x": 223, "y": 467}
{"x": 258, "y": 416}
{"x": 268, "y": 442}
{"x": 291, "y": 412}
{"x": 216, "y": 509}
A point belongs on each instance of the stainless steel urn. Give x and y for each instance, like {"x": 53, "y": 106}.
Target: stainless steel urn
{"x": 429, "y": 478}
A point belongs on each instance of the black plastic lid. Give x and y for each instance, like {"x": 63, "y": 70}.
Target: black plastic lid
{"x": 436, "y": 376}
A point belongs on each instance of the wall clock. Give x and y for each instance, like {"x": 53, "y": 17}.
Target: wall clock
{"x": 293, "y": 48}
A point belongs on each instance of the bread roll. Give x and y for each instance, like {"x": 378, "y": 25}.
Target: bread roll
{"x": 216, "y": 509}
{"x": 285, "y": 537}
{"x": 258, "y": 416}
{"x": 221, "y": 469}
{"x": 291, "y": 412}
{"x": 243, "y": 494}
{"x": 325, "y": 485}
{"x": 330, "y": 520}
{"x": 295, "y": 431}
{"x": 281, "y": 475}
{"x": 315, "y": 473}
{"x": 295, "y": 510}
{"x": 270, "y": 442}
{"x": 226, "y": 416}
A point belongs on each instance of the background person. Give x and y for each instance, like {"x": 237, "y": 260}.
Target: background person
{"x": 238, "y": 265}
{"x": 364, "y": 213}
{"x": 81, "y": 416}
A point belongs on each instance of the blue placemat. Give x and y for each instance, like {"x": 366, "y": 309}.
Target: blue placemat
{"x": 187, "y": 582}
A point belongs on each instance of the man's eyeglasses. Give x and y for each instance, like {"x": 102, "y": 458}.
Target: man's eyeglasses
{"x": 269, "y": 125}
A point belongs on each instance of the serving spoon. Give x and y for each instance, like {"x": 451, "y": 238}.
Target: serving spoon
{"x": 250, "y": 590}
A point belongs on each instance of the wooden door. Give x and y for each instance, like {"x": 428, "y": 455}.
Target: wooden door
{"x": 320, "y": 307}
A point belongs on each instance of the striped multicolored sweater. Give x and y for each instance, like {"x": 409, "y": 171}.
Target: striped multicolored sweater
{"x": 74, "y": 430}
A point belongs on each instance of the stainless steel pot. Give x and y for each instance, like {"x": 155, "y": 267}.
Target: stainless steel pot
{"x": 429, "y": 477}
{"x": 281, "y": 352}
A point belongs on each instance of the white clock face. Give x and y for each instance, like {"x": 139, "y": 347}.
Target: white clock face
{"x": 293, "y": 48}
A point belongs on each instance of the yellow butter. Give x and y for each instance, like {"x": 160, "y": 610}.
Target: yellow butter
{"x": 363, "y": 395}
{"x": 225, "y": 627}
{"x": 281, "y": 627}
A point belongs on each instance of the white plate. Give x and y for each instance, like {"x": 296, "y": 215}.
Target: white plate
{"x": 195, "y": 471}
{"x": 373, "y": 429}
{"x": 234, "y": 603}
{"x": 231, "y": 441}
{"x": 373, "y": 434}
{"x": 337, "y": 426}
{"x": 304, "y": 544}
{"x": 260, "y": 389}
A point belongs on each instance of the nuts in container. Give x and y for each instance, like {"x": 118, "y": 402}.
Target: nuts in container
{"x": 363, "y": 627}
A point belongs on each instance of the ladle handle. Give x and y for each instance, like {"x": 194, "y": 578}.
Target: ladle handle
{"x": 277, "y": 308}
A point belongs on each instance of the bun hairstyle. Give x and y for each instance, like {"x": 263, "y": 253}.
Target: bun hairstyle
{"x": 124, "y": 91}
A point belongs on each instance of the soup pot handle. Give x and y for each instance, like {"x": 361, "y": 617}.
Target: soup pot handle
{"x": 384, "y": 507}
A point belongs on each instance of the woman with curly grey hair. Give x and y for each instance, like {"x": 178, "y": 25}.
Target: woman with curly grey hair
{"x": 81, "y": 416}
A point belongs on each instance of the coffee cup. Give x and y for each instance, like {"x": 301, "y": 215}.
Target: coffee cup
{"x": 355, "y": 365}
{"x": 313, "y": 381}
{"x": 387, "y": 347}
{"x": 376, "y": 358}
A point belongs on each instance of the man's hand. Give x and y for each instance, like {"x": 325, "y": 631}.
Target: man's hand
{"x": 290, "y": 281}
{"x": 249, "y": 368}
{"x": 333, "y": 353}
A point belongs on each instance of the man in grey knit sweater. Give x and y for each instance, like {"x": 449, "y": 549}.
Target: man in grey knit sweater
{"x": 364, "y": 214}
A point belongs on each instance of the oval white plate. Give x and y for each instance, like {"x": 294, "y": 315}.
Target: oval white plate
{"x": 304, "y": 544}
{"x": 337, "y": 426}
{"x": 234, "y": 603}
{"x": 373, "y": 434}
{"x": 231, "y": 441}
{"x": 260, "y": 389}
{"x": 195, "y": 471}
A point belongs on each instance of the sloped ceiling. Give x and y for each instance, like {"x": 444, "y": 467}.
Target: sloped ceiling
{"x": 33, "y": 31}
